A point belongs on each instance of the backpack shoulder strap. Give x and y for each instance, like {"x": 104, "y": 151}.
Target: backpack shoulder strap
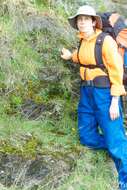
{"x": 98, "y": 48}
{"x": 78, "y": 50}
{"x": 97, "y": 52}
{"x": 82, "y": 65}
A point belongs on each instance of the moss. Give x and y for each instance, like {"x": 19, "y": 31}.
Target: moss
{"x": 29, "y": 149}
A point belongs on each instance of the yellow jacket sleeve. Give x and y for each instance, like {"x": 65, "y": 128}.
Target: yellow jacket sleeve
{"x": 75, "y": 57}
{"x": 114, "y": 64}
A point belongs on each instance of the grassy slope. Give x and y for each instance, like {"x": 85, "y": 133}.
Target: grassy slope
{"x": 93, "y": 170}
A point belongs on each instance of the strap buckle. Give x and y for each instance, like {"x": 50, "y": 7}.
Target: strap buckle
{"x": 90, "y": 83}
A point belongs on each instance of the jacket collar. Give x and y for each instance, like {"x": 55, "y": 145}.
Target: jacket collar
{"x": 81, "y": 35}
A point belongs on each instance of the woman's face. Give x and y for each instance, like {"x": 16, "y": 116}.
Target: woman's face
{"x": 85, "y": 23}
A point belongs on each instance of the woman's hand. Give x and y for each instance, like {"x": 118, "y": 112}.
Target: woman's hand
{"x": 66, "y": 54}
{"x": 114, "y": 108}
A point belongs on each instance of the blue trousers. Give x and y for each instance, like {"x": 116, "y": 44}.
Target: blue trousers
{"x": 93, "y": 112}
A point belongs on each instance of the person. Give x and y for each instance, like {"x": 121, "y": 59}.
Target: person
{"x": 100, "y": 103}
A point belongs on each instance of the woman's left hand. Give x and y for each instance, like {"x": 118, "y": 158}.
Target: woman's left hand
{"x": 114, "y": 108}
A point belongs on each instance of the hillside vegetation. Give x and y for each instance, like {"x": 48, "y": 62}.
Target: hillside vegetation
{"x": 39, "y": 92}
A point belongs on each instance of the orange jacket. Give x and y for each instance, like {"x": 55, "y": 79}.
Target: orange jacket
{"x": 111, "y": 58}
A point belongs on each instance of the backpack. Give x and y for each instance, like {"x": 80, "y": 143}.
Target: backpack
{"x": 112, "y": 24}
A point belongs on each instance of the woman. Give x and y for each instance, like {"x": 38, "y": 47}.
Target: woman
{"x": 99, "y": 103}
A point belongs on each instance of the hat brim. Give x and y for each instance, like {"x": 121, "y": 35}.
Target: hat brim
{"x": 73, "y": 21}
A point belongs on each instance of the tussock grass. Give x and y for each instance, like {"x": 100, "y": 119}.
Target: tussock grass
{"x": 31, "y": 68}
{"x": 92, "y": 169}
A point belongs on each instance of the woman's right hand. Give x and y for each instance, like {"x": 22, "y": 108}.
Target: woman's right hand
{"x": 66, "y": 54}
{"x": 114, "y": 108}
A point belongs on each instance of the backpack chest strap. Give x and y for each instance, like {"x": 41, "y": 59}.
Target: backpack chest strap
{"x": 97, "y": 53}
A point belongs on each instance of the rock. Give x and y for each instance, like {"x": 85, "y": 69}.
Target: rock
{"x": 44, "y": 170}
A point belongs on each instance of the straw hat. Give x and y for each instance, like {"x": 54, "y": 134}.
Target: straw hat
{"x": 88, "y": 11}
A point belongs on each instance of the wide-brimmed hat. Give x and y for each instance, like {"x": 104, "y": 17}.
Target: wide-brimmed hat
{"x": 87, "y": 11}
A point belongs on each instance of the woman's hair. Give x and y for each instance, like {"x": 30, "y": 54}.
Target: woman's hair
{"x": 93, "y": 18}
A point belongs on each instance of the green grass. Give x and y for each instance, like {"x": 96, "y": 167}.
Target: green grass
{"x": 92, "y": 169}
{"x": 23, "y": 56}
